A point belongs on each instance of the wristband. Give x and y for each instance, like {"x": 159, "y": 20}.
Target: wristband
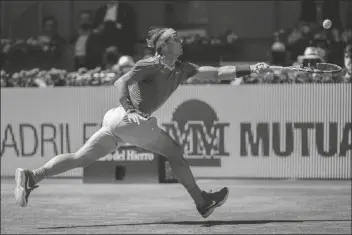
{"x": 243, "y": 70}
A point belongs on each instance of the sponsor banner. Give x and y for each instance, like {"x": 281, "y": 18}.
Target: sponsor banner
{"x": 126, "y": 165}
{"x": 274, "y": 131}
{"x": 38, "y": 124}
{"x": 270, "y": 131}
{"x": 128, "y": 153}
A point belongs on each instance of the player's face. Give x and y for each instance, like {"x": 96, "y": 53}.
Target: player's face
{"x": 348, "y": 62}
{"x": 174, "y": 46}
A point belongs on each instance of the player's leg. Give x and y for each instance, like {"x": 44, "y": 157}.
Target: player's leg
{"x": 149, "y": 136}
{"x": 99, "y": 145}
{"x": 160, "y": 142}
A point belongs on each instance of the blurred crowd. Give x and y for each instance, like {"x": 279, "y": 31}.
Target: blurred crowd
{"x": 308, "y": 41}
{"x": 103, "y": 36}
{"x": 59, "y": 77}
{"x": 107, "y": 77}
{"x": 104, "y": 50}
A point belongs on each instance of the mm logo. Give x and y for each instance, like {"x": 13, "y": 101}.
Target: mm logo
{"x": 196, "y": 127}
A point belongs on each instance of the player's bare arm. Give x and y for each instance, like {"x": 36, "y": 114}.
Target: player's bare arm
{"x": 138, "y": 73}
{"x": 227, "y": 72}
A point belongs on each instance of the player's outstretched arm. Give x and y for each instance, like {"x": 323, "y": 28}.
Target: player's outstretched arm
{"x": 227, "y": 72}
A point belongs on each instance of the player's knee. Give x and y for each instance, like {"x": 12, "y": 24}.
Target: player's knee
{"x": 178, "y": 161}
{"x": 175, "y": 152}
{"x": 175, "y": 156}
{"x": 81, "y": 160}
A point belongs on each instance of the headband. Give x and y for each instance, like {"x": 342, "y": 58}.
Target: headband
{"x": 162, "y": 38}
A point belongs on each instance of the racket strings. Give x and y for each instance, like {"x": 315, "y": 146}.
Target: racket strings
{"x": 315, "y": 68}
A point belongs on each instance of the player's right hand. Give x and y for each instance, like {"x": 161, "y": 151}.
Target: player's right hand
{"x": 259, "y": 67}
{"x": 135, "y": 118}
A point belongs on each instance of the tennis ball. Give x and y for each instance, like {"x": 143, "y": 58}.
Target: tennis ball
{"x": 327, "y": 24}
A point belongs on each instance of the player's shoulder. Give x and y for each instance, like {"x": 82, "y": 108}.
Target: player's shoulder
{"x": 186, "y": 64}
{"x": 148, "y": 62}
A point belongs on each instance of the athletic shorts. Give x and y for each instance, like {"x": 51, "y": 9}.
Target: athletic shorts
{"x": 116, "y": 130}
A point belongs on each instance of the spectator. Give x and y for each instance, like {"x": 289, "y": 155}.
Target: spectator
{"x": 336, "y": 47}
{"x": 84, "y": 31}
{"x": 124, "y": 65}
{"x": 117, "y": 23}
{"x": 5, "y": 48}
{"x": 278, "y": 51}
{"x": 297, "y": 42}
{"x": 346, "y": 36}
{"x": 278, "y": 54}
{"x": 50, "y": 38}
{"x": 322, "y": 44}
{"x": 111, "y": 57}
{"x": 86, "y": 18}
{"x": 311, "y": 55}
{"x": 94, "y": 51}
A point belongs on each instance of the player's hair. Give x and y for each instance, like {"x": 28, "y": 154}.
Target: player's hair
{"x": 153, "y": 36}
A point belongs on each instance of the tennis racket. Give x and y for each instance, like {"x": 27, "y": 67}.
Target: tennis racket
{"x": 311, "y": 68}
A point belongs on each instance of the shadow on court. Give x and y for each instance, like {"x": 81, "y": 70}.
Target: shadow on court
{"x": 209, "y": 223}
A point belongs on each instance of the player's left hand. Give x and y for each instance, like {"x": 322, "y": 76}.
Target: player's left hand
{"x": 259, "y": 67}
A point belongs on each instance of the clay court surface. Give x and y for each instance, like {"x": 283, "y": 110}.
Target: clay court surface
{"x": 254, "y": 206}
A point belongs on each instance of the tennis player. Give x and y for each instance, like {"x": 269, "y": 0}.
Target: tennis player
{"x": 143, "y": 90}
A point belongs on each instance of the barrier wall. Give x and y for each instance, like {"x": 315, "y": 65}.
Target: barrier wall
{"x": 271, "y": 131}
